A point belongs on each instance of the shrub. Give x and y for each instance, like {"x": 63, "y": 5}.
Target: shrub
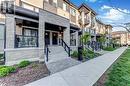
{"x": 4, "y": 72}
{"x": 90, "y": 56}
{"x": 11, "y": 69}
{"x": 74, "y": 54}
{"x": 90, "y": 51}
{"x": 84, "y": 53}
{"x": 23, "y": 64}
{"x": 109, "y": 48}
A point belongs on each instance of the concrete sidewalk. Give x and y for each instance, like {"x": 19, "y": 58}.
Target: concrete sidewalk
{"x": 85, "y": 74}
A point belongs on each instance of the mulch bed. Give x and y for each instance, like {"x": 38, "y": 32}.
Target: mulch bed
{"x": 33, "y": 72}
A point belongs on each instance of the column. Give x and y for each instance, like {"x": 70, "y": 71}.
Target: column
{"x": 10, "y": 31}
{"x": 41, "y": 36}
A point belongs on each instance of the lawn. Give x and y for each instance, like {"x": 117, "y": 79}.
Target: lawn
{"x": 118, "y": 74}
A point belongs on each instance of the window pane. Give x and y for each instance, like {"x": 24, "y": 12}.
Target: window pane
{"x": 28, "y": 39}
{"x": 73, "y": 11}
{"x": 27, "y": 32}
{"x": 64, "y": 6}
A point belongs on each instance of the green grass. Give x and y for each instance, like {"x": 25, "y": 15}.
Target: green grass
{"x": 109, "y": 49}
{"x": 119, "y": 75}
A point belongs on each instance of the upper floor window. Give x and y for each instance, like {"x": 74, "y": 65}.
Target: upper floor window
{"x": 64, "y": 6}
{"x": 73, "y": 12}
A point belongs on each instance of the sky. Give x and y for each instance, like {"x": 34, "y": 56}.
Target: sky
{"x": 107, "y": 13}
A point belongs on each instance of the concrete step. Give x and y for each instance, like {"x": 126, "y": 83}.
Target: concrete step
{"x": 56, "y": 53}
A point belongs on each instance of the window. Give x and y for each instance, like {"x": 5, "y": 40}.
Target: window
{"x": 55, "y": 3}
{"x": 73, "y": 39}
{"x": 64, "y": 6}
{"x": 73, "y": 12}
{"x": 29, "y": 38}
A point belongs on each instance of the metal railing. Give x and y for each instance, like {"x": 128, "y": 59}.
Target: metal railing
{"x": 66, "y": 47}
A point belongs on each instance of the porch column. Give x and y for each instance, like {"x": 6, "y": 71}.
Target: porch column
{"x": 41, "y": 34}
{"x": 10, "y": 31}
{"x": 66, "y": 35}
{"x": 50, "y": 38}
{"x": 77, "y": 38}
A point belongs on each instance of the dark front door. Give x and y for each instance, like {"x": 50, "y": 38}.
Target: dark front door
{"x": 55, "y": 38}
{"x": 47, "y": 38}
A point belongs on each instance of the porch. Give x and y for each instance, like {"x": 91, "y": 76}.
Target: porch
{"x": 22, "y": 40}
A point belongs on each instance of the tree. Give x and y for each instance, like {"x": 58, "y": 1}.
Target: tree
{"x": 85, "y": 38}
{"x": 102, "y": 39}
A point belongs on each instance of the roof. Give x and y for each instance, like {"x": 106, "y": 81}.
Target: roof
{"x": 86, "y": 6}
{"x": 119, "y": 32}
{"x": 72, "y": 4}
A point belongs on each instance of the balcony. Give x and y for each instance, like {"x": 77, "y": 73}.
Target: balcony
{"x": 73, "y": 18}
{"x": 63, "y": 13}
{"x": 80, "y": 20}
{"x": 86, "y": 21}
{"x": 51, "y": 7}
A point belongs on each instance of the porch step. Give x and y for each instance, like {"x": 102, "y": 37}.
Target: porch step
{"x": 56, "y": 49}
{"x": 56, "y": 53}
{"x": 58, "y": 59}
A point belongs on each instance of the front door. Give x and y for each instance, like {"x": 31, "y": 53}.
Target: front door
{"x": 47, "y": 38}
{"x": 55, "y": 38}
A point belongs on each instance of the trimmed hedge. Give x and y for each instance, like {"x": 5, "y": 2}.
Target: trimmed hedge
{"x": 109, "y": 48}
{"x": 5, "y": 70}
{"x": 24, "y": 64}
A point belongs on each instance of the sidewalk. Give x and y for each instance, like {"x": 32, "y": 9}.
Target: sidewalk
{"x": 85, "y": 74}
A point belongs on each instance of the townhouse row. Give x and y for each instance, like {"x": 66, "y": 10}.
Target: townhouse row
{"x": 28, "y": 26}
{"x": 121, "y": 37}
